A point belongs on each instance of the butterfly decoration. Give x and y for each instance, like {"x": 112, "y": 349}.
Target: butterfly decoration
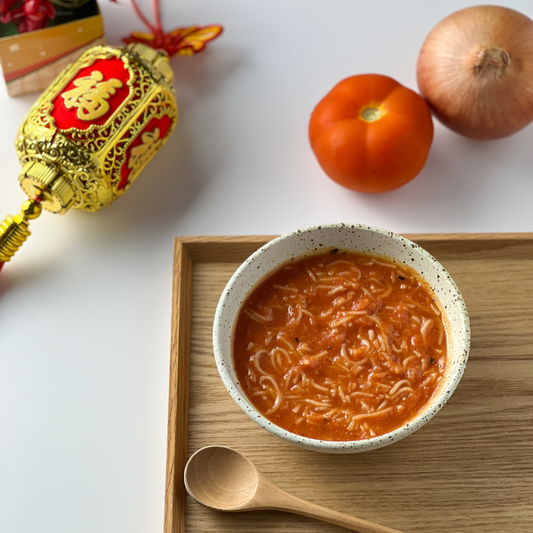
{"x": 181, "y": 41}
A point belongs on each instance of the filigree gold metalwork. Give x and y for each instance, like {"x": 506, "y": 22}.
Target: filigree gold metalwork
{"x": 90, "y": 95}
{"x": 87, "y": 167}
{"x": 161, "y": 105}
{"x": 88, "y": 161}
{"x": 143, "y": 152}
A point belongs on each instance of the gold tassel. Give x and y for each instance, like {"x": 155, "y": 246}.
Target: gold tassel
{"x": 14, "y": 230}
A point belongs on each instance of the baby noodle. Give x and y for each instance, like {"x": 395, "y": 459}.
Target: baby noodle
{"x": 340, "y": 346}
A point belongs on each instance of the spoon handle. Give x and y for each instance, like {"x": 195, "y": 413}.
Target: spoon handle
{"x": 280, "y": 500}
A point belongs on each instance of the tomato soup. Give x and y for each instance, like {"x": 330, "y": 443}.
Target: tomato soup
{"x": 340, "y": 346}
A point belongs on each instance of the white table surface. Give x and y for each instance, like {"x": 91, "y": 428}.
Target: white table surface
{"x": 85, "y": 305}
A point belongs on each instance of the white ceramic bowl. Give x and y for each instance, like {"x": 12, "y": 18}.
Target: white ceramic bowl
{"x": 356, "y": 238}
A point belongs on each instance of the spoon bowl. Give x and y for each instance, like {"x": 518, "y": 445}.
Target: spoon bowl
{"x": 223, "y": 479}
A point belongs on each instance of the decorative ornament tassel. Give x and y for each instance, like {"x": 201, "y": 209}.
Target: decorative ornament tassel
{"x": 14, "y": 230}
{"x": 180, "y": 41}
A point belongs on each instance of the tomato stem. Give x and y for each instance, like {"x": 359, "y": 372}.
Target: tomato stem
{"x": 371, "y": 114}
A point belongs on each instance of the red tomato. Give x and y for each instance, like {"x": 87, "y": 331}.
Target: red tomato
{"x": 371, "y": 134}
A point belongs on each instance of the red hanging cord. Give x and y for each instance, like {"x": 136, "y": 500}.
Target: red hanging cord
{"x": 157, "y": 16}
{"x": 141, "y": 16}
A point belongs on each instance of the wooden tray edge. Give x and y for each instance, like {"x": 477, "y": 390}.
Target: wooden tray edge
{"x": 178, "y": 396}
{"x": 217, "y": 249}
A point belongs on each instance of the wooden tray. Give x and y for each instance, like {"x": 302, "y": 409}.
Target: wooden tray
{"x": 469, "y": 470}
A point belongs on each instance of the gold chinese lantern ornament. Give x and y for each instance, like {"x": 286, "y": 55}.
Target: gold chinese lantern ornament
{"x": 90, "y": 134}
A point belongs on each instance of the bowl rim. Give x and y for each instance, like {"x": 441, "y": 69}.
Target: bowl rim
{"x": 438, "y": 400}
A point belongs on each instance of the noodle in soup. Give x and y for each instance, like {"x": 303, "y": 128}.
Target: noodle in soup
{"x": 340, "y": 346}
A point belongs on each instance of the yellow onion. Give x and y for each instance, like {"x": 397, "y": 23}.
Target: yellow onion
{"x": 475, "y": 69}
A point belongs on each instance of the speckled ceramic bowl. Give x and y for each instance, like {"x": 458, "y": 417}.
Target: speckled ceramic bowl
{"x": 356, "y": 238}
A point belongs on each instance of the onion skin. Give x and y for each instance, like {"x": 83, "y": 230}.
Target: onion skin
{"x": 475, "y": 69}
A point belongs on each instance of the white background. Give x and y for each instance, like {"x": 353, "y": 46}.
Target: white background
{"x": 85, "y": 305}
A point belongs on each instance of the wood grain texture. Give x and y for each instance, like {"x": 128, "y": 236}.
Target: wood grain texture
{"x": 468, "y": 470}
{"x": 178, "y": 402}
{"x": 223, "y": 249}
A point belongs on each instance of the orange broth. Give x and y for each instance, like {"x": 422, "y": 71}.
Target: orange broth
{"x": 340, "y": 346}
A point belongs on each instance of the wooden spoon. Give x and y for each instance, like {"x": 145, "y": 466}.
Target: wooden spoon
{"x": 223, "y": 479}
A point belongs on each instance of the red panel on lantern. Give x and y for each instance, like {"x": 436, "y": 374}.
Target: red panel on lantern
{"x": 160, "y": 127}
{"x": 93, "y": 98}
